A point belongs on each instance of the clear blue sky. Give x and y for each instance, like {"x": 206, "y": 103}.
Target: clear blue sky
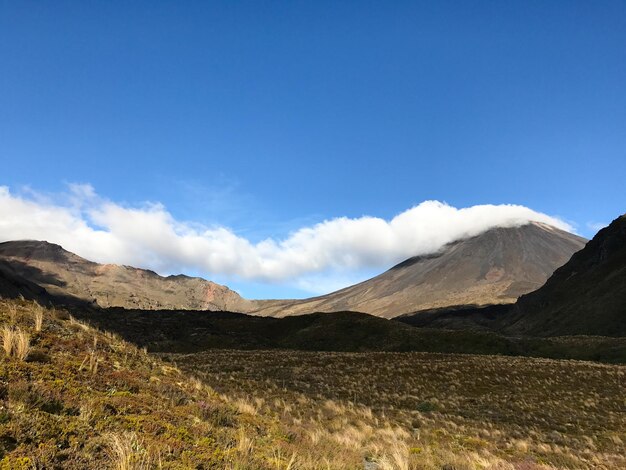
{"x": 267, "y": 116}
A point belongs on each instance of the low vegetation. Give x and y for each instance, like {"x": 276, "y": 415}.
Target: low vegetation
{"x": 76, "y": 397}
{"x": 186, "y": 331}
{"x": 424, "y": 410}
{"x": 72, "y": 397}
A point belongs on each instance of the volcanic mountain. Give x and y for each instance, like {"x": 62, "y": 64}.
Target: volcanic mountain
{"x": 28, "y": 267}
{"x": 495, "y": 267}
{"x": 585, "y": 296}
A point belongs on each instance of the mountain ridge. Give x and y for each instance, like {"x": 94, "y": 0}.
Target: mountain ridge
{"x": 62, "y": 273}
{"x": 585, "y": 296}
{"x": 495, "y": 266}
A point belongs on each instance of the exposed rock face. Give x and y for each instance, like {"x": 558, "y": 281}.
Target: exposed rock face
{"x": 65, "y": 274}
{"x": 585, "y": 296}
{"x": 494, "y": 267}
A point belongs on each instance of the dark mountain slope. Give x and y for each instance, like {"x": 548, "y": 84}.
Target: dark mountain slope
{"x": 13, "y": 285}
{"x": 585, "y": 296}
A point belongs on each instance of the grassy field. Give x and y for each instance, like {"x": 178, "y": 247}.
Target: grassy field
{"x": 426, "y": 410}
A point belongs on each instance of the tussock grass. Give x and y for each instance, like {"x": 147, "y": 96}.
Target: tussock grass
{"x": 15, "y": 342}
{"x": 429, "y": 411}
{"x": 21, "y": 344}
{"x": 12, "y": 312}
{"x": 7, "y": 333}
{"x": 126, "y": 452}
{"x": 38, "y": 316}
{"x": 88, "y": 400}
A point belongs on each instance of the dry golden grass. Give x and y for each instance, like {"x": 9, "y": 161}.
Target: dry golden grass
{"x": 38, "y": 311}
{"x": 15, "y": 342}
{"x": 12, "y": 312}
{"x": 119, "y": 408}
{"x": 126, "y": 452}
{"x": 86, "y": 399}
{"x": 21, "y": 344}
{"x": 429, "y": 411}
{"x": 7, "y": 333}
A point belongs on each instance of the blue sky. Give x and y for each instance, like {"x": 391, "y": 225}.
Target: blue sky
{"x": 267, "y": 117}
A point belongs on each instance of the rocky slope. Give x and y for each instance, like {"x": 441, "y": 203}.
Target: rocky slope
{"x": 494, "y": 267}
{"x": 585, "y": 296}
{"x": 26, "y": 265}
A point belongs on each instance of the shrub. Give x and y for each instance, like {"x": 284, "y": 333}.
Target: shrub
{"x": 426, "y": 407}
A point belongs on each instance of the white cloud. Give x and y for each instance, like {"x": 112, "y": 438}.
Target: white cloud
{"x": 148, "y": 236}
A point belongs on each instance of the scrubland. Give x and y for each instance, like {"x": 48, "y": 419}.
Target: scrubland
{"x": 426, "y": 410}
{"x": 74, "y": 397}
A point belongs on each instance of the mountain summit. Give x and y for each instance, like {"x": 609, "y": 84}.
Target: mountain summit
{"x": 494, "y": 267}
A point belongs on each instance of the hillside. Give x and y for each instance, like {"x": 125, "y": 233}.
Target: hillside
{"x": 494, "y": 267}
{"x": 585, "y": 296}
{"x": 64, "y": 274}
{"x": 76, "y": 398}
{"x": 12, "y": 285}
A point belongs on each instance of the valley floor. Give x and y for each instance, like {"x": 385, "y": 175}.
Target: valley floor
{"x": 426, "y": 410}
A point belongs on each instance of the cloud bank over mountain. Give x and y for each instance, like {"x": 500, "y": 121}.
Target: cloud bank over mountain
{"x": 149, "y": 236}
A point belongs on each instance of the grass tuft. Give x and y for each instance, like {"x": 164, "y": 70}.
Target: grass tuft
{"x": 15, "y": 342}
{"x": 126, "y": 452}
{"x": 38, "y": 316}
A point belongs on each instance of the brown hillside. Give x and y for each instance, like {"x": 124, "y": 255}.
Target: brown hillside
{"x": 64, "y": 274}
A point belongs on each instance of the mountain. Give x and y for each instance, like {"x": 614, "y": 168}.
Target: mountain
{"x": 494, "y": 267}
{"x": 30, "y": 265}
{"x": 585, "y": 296}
